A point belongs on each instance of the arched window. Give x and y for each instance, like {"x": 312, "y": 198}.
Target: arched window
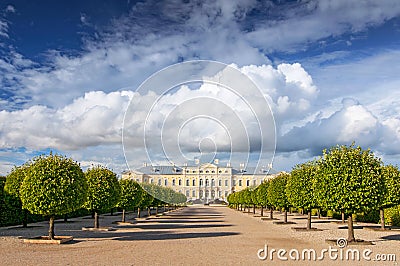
{"x": 187, "y": 182}
{"x": 212, "y": 182}
{"x": 173, "y": 182}
{"x": 193, "y": 182}
{"x": 207, "y": 182}
{"x": 240, "y": 182}
{"x": 201, "y": 182}
{"x": 180, "y": 182}
{"x": 165, "y": 182}
{"x": 159, "y": 182}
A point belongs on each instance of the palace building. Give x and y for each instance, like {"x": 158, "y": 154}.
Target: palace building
{"x": 205, "y": 182}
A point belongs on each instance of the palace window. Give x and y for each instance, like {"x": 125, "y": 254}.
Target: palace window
{"x": 165, "y": 182}
{"x": 194, "y": 193}
{"x": 187, "y": 193}
{"x": 159, "y": 182}
{"x": 193, "y": 182}
{"x": 173, "y": 182}
{"x": 207, "y": 182}
{"x": 201, "y": 182}
{"x": 180, "y": 182}
{"x": 220, "y": 182}
{"x": 187, "y": 182}
{"x": 240, "y": 182}
{"x": 226, "y": 182}
{"x": 247, "y": 182}
{"x": 212, "y": 182}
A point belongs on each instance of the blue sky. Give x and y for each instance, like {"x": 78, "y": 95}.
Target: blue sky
{"x": 69, "y": 69}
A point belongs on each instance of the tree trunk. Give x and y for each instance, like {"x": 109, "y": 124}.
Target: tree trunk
{"x": 123, "y": 215}
{"x": 309, "y": 220}
{"x": 319, "y": 213}
{"x": 92, "y": 214}
{"x": 382, "y": 216}
{"x": 271, "y": 213}
{"x": 350, "y": 231}
{"x": 262, "y": 211}
{"x": 148, "y": 211}
{"x": 65, "y": 218}
{"x": 25, "y": 218}
{"x": 138, "y": 212}
{"x": 112, "y": 211}
{"x": 96, "y": 220}
{"x": 254, "y": 209}
{"x": 156, "y": 210}
{"x": 342, "y": 217}
{"x": 51, "y": 227}
{"x": 285, "y": 216}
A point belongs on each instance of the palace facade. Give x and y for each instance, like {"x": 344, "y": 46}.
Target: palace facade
{"x": 205, "y": 182}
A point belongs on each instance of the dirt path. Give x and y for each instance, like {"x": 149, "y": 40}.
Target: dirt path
{"x": 196, "y": 235}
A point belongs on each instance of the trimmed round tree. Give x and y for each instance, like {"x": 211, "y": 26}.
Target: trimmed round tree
{"x": 130, "y": 196}
{"x": 300, "y": 189}
{"x": 277, "y": 193}
{"x": 349, "y": 180}
{"x": 391, "y": 196}
{"x": 12, "y": 186}
{"x": 262, "y": 195}
{"x": 145, "y": 203}
{"x": 254, "y": 197}
{"x": 53, "y": 185}
{"x": 103, "y": 191}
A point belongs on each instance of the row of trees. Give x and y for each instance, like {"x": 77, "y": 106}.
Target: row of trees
{"x": 345, "y": 179}
{"x": 55, "y": 185}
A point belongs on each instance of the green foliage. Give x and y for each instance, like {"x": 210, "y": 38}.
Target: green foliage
{"x": 14, "y": 180}
{"x": 131, "y": 194}
{"x": 392, "y": 216}
{"x": 276, "y": 193}
{"x": 254, "y": 196}
{"x": 299, "y": 188}
{"x": 368, "y": 217}
{"x": 262, "y": 192}
{"x": 391, "y": 192}
{"x": 147, "y": 200}
{"x": 232, "y": 199}
{"x": 349, "y": 180}
{"x": 247, "y": 198}
{"x": 53, "y": 185}
{"x": 103, "y": 189}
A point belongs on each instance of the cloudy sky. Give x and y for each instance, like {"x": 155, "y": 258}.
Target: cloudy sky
{"x": 328, "y": 71}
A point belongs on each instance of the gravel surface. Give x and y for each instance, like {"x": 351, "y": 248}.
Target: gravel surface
{"x": 195, "y": 235}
